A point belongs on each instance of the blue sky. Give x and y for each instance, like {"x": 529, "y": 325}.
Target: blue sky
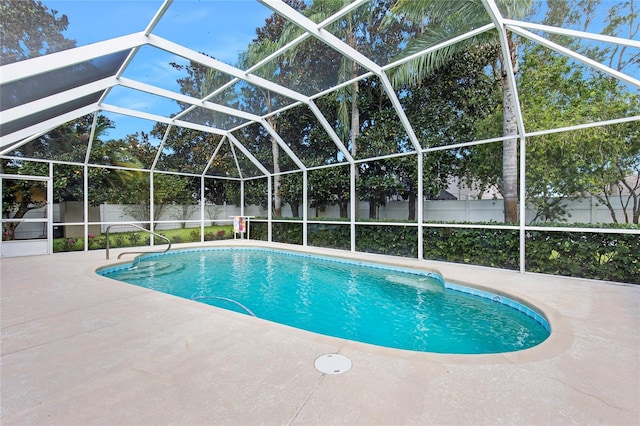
{"x": 219, "y": 28}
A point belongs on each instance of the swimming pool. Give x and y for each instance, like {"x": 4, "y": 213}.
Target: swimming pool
{"x": 366, "y": 302}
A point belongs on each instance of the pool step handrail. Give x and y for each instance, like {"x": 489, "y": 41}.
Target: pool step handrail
{"x": 247, "y": 310}
{"x": 136, "y": 260}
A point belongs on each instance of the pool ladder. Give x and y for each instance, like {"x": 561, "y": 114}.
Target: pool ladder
{"x": 136, "y": 260}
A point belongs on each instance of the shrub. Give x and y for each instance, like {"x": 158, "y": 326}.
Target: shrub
{"x": 68, "y": 244}
{"x": 119, "y": 241}
{"x": 290, "y": 233}
{"x": 497, "y": 248}
{"x": 329, "y": 235}
{"x": 391, "y": 240}
{"x": 96, "y": 242}
{"x": 604, "y": 256}
{"x": 194, "y": 235}
{"x": 134, "y": 238}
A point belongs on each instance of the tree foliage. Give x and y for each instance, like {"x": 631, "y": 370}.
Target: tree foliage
{"x": 451, "y": 96}
{"x": 29, "y": 28}
{"x": 599, "y": 160}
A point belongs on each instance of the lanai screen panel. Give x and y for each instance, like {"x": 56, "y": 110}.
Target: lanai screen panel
{"x": 68, "y": 142}
{"x": 138, "y": 100}
{"x": 306, "y": 137}
{"x": 49, "y": 113}
{"x": 247, "y": 97}
{"x": 59, "y": 80}
{"x": 24, "y": 91}
{"x": 187, "y": 150}
{"x": 213, "y": 29}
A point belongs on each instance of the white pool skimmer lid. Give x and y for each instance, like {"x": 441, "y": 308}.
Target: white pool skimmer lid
{"x": 333, "y": 364}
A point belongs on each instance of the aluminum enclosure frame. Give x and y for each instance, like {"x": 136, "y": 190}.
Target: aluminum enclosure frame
{"x": 134, "y": 42}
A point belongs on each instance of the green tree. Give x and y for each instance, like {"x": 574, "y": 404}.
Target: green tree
{"x": 361, "y": 29}
{"x": 601, "y": 161}
{"x": 167, "y": 190}
{"x": 305, "y": 135}
{"x": 441, "y": 21}
{"x": 264, "y": 44}
{"x": 330, "y": 186}
{"x": 67, "y": 143}
{"x": 29, "y": 29}
{"x": 135, "y": 190}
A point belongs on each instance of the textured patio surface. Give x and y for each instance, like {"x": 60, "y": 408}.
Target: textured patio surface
{"x": 81, "y": 349}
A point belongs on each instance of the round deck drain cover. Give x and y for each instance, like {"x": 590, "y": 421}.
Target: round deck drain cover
{"x": 333, "y": 364}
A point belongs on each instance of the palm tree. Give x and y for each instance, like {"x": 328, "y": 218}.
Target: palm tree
{"x": 445, "y": 19}
{"x": 266, "y": 43}
{"x": 259, "y": 49}
{"x": 360, "y": 30}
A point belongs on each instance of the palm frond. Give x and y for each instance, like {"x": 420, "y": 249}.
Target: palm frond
{"x": 444, "y": 20}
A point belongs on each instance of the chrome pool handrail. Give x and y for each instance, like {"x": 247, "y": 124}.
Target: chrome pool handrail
{"x": 247, "y": 310}
{"x": 135, "y": 252}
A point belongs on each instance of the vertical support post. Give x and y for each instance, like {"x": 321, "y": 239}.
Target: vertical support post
{"x": 242, "y": 197}
{"x": 50, "y": 210}
{"x": 305, "y": 208}
{"x": 202, "y": 208}
{"x": 354, "y": 195}
{"x": 270, "y": 208}
{"x": 523, "y": 204}
{"x": 420, "y": 202}
{"x": 85, "y": 205}
{"x": 151, "y": 209}
{"x": 1, "y": 222}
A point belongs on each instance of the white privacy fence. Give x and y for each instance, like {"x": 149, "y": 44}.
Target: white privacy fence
{"x": 586, "y": 210}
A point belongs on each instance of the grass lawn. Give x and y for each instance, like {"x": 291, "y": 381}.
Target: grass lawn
{"x": 141, "y": 238}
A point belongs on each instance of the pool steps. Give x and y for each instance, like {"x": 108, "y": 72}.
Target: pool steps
{"x": 139, "y": 253}
{"x": 532, "y": 313}
{"x": 142, "y": 270}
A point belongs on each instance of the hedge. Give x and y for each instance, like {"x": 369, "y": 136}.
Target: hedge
{"x": 602, "y": 256}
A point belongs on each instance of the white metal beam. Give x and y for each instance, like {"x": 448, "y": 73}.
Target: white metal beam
{"x": 330, "y": 131}
{"x": 249, "y": 155}
{"x": 92, "y": 135}
{"x": 156, "y": 18}
{"x": 43, "y": 64}
{"x": 288, "y": 46}
{"x": 42, "y": 104}
{"x": 154, "y": 90}
{"x": 160, "y": 147}
{"x": 496, "y": 17}
{"x": 323, "y": 35}
{"x": 213, "y": 156}
{"x": 581, "y": 58}
{"x": 282, "y": 144}
{"x": 573, "y": 33}
{"x": 439, "y": 46}
{"x": 397, "y": 106}
{"x": 46, "y": 125}
{"x": 161, "y": 119}
{"x": 205, "y": 60}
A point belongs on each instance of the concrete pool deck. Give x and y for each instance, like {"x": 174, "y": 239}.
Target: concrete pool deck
{"x": 81, "y": 349}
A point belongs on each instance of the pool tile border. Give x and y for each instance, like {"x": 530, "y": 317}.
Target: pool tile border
{"x": 522, "y": 308}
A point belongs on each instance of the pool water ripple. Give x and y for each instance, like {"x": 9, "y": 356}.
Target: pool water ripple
{"x": 374, "y": 304}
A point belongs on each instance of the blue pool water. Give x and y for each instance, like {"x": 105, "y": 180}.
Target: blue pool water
{"x": 370, "y": 303}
